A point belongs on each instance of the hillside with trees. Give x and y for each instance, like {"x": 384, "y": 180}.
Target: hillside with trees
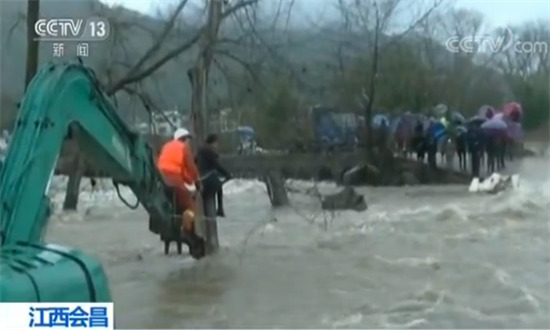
{"x": 260, "y": 59}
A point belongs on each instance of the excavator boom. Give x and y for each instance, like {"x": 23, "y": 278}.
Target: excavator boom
{"x": 60, "y": 99}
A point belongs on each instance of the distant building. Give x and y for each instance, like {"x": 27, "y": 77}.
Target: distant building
{"x": 346, "y": 120}
{"x": 226, "y": 120}
{"x": 164, "y": 123}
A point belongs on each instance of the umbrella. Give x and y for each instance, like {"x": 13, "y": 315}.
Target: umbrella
{"x": 246, "y": 130}
{"x": 461, "y": 130}
{"x": 457, "y": 117}
{"x": 486, "y": 111}
{"x": 495, "y": 124}
{"x": 513, "y": 111}
{"x": 380, "y": 120}
{"x": 476, "y": 120}
{"x": 440, "y": 109}
{"x": 515, "y": 116}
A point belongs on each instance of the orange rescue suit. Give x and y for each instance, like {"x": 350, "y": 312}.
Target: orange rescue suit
{"x": 177, "y": 165}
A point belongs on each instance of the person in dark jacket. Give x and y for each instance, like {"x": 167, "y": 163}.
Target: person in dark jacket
{"x": 211, "y": 171}
{"x": 502, "y": 145}
{"x": 419, "y": 141}
{"x": 475, "y": 140}
{"x": 491, "y": 151}
{"x": 431, "y": 148}
{"x": 461, "y": 148}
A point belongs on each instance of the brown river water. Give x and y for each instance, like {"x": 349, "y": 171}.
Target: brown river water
{"x": 419, "y": 257}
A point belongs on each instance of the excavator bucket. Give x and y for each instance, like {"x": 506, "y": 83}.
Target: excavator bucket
{"x": 194, "y": 241}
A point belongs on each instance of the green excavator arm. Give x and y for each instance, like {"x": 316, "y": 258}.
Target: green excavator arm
{"x": 65, "y": 98}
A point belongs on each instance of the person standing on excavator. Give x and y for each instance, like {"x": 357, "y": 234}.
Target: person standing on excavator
{"x": 177, "y": 165}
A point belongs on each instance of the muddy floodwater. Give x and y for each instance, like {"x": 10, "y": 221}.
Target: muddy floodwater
{"x": 419, "y": 257}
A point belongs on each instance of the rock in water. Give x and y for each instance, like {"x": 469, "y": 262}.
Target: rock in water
{"x": 360, "y": 175}
{"x": 346, "y": 199}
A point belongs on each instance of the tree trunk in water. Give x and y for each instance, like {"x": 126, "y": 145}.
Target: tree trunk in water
{"x": 276, "y": 190}
{"x": 211, "y": 224}
{"x": 73, "y": 186}
{"x": 33, "y": 11}
{"x": 198, "y": 75}
{"x": 198, "y": 88}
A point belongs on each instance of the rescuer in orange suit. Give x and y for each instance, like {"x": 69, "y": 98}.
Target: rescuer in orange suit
{"x": 177, "y": 164}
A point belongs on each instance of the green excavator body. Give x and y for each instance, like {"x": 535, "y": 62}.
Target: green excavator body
{"x": 51, "y": 273}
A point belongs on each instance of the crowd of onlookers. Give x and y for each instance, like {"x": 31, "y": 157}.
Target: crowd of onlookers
{"x": 474, "y": 144}
{"x": 489, "y": 138}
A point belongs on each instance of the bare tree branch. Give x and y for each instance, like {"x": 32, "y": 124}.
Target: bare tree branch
{"x": 20, "y": 17}
{"x": 244, "y": 64}
{"x": 161, "y": 38}
{"x": 135, "y": 77}
{"x": 416, "y": 23}
{"x": 232, "y": 10}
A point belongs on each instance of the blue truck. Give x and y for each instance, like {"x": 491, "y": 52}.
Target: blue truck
{"x": 333, "y": 130}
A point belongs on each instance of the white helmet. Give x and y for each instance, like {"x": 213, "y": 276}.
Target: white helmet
{"x": 181, "y": 133}
{"x": 440, "y": 109}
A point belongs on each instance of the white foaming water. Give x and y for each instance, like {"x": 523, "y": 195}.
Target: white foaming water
{"x": 435, "y": 257}
{"x": 532, "y": 194}
{"x": 238, "y": 186}
{"x": 104, "y": 195}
